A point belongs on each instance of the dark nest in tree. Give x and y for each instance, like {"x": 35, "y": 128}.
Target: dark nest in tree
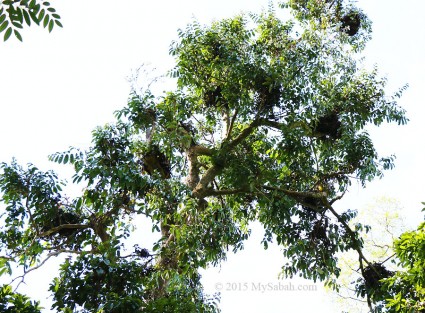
{"x": 311, "y": 204}
{"x": 266, "y": 98}
{"x": 318, "y": 233}
{"x": 62, "y": 217}
{"x": 142, "y": 252}
{"x": 328, "y": 126}
{"x": 213, "y": 98}
{"x": 267, "y": 93}
{"x": 373, "y": 273}
{"x": 350, "y": 23}
{"x": 155, "y": 160}
{"x": 216, "y": 49}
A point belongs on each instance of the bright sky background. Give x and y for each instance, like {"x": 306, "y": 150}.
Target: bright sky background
{"x": 56, "y": 88}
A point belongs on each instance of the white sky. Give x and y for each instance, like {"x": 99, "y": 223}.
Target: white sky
{"x": 56, "y": 88}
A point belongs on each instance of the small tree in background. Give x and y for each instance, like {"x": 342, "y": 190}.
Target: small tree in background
{"x": 383, "y": 224}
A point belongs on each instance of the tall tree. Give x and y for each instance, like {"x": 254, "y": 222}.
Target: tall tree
{"x": 267, "y": 123}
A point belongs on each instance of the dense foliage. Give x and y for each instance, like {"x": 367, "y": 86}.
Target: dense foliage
{"x": 12, "y": 302}
{"x": 405, "y": 290}
{"x": 14, "y": 14}
{"x": 267, "y": 123}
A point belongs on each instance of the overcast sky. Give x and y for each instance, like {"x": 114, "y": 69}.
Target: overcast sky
{"x": 55, "y": 88}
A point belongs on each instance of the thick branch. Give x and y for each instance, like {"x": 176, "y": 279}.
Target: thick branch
{"x": 193, "y": 176}
{"x": 270, "y": 123}
{"x": 300, "y": 197}
{"x": 64, "y": 226}
{"x": 223, "y": 192}
{"x": 230, "y": 126}
{"x": 297, "y": 194}
{"x": 200, "y": 190}
{"x": 201, "y": 150}
{"x": 369, "y": 302}
{"x": 193, "y": 152}
{"x": 245, "y": 133}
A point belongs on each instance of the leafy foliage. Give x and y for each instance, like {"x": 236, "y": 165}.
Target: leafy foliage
{"x": 14, "y": 14}
{"x": 11, "y": 302}
{"x": 266, "y": 123}
{"x": 405, "y": 291}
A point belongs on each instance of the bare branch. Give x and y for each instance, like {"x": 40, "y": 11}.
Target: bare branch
{"x": 390, "y": 257}
{"x": 350, "y": 232}
{"x": 351, "y": 298}
{"x": 332, "y": 201}
{"x": 51, "y": 254}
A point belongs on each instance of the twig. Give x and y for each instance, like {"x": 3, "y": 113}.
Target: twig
{"x": 230, "y": 127}
{"x": 51, "y": 254}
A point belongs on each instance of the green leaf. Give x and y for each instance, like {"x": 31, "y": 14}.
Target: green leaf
{"x": 51, "y": 10}
{"x": 19, "y": 15}
{"x": 34, "y": 17}
{"x": 58, "y": 23}
{"x": 46, "y": 3}
{"x": 65, "y": 160}
{"x": 4, "y": 26}
{"x": 27, "y": 17}
{"x": 51, "y": 24}
{"x": 17, "y": 25}
{"x": 46, "y": 21}
{"x": 7, "y": 33}
{"x": 37, "y": 8}
{"x": 2, "y": 18}
{"x": 18, "y": 35}
{"x": 79, "y": 203}
{"x": 41, "y": 14}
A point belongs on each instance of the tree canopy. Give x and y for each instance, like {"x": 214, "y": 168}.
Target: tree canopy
{"x": 266, "y": 123}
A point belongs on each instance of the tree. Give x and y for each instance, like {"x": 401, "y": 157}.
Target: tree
{"x": 14, "y": 14}
{"x": 12, "y": 302}
{"x": 383, "y": 224}
{"x": 405, "y": 290}
{"x": 267, "y": 122}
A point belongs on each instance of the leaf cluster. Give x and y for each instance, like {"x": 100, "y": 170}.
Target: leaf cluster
{"x": 12, "y": 302}
{"x": 14, "y": 14}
